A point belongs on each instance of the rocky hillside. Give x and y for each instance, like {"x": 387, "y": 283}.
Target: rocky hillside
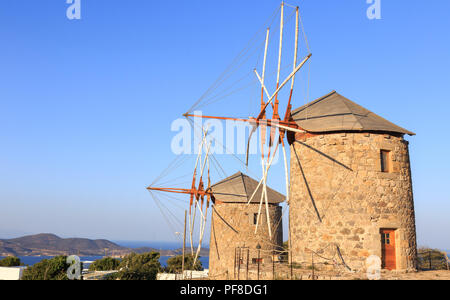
{"x": 51, "y": 245}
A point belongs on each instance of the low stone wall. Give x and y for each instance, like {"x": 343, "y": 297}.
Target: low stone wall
{"x": 187, "y": 275}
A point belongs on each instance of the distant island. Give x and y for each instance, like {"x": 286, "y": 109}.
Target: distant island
{"x": 52, "y": 245}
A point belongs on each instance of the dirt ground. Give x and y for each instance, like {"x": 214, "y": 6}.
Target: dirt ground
{"x": 344, "y": 275}
{"x": 389, "y": 275}
{"x": 422, "y": 275}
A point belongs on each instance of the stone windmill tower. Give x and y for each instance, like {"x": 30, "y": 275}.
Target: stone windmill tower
{"x": 233, "y": 224}
{"x": 351, "y": 190}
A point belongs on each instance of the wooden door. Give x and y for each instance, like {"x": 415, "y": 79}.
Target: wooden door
{"x": 388, "y": 249}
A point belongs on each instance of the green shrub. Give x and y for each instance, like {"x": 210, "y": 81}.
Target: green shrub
{"x": 174, "y": 264}
{"x": 105, "y": 264}
{"x": 431, "y": 259}
{"x": 139, "y": 266}
{"x": 10, "y": 261}
{"x": 48, "y": 269}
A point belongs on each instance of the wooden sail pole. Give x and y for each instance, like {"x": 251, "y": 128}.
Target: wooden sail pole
{"x": 195, "y": 196}
{"x": 284, "y": 83}
{"x": 275, "y": 111}
{"x": 263, "y": 89}
{"x": 267, "y": 205}
{"x": 262, "y": 197}
{"x": 184, "y": 245}
{"x": 263, "y": 192}
{"x": 201, "y": 196}
{"x": 275, "y": 116}
{"x": 264, "y": 67}
{"x": 198, "y": 197}
{"x": 297, "y": 14}
{"x": 260, "y": 182}
{"x": 289, "y": 106}
{"x": 204, "y": 219}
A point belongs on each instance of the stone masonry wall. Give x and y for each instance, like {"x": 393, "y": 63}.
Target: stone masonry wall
{"x": 340, "y": 199}
{"x": 232, "y": 226}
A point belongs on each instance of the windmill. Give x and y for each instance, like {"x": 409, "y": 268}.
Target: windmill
{"x": 200, "y": 195}
{"x": 271, "y": 100}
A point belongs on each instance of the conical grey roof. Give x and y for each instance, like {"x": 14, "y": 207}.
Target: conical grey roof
{"x": 335, "y": 113}
{"x": 239, "y": 188}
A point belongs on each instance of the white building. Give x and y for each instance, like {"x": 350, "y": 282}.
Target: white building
{"x": 11, "y": 273}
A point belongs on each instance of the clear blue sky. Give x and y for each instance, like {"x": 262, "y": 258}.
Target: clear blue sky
{"x": 86, "y": 105}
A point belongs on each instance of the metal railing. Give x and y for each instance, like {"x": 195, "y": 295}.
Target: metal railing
{"x": 431, "y": 259}
{"x": 258, "y": 264}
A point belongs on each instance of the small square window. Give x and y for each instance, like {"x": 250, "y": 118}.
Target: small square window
{"x": 386, "y": 238}
{"x": 385, "y": 157}
{"x": 256, "y": 260}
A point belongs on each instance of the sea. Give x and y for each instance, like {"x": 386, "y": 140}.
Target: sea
{"x": 87, "y": 260}
{"x": 156, "y": 245}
